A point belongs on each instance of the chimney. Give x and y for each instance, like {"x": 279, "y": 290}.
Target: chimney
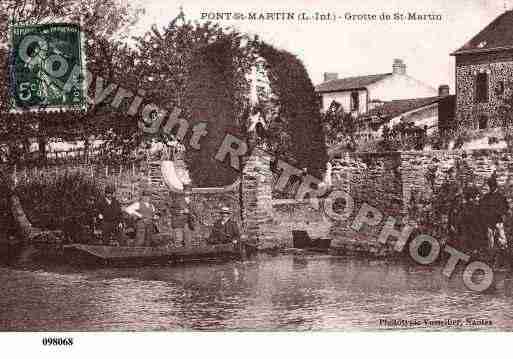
{"x": 399, "y": 67}
{"x": 443, "y": 90}
{"x": 328, "y": 76}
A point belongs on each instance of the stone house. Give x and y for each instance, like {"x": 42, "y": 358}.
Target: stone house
{"x": 359, "y": 94}
{"x": 484, "y": 70}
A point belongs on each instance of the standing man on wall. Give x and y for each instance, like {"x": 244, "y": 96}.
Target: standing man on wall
{"x": 494, "y": 208}
{"x": 447, "y": 203}
{"x": 473, "y": 231}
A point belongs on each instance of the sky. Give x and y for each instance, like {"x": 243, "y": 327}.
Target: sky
{"x": 352, "y": 47}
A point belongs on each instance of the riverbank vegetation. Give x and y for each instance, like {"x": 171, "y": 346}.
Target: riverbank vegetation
{"x": 170, "y": 66}
{"x": 62, "y": 200}
{"x": 200, "y": 68}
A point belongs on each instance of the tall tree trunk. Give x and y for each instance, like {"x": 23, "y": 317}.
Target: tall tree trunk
{"x": 42, "y": 149}
{"x": 87, "y": 147}
{"x": 42, "y": 142}
{"x": 21, "y": 221}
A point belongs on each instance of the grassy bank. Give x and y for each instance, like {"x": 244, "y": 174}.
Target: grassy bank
{"x": 62, "y": 200}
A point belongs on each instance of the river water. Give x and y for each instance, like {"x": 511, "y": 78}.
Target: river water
{"x": 283, "y": 292}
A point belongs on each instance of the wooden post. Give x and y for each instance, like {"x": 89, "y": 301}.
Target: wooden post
{"x": 15, "y": 176}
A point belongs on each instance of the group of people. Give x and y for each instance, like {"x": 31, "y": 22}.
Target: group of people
{"x": 477, "y": 221}
{"x": 470, "y": 220}
{"x": 115, "y": 229}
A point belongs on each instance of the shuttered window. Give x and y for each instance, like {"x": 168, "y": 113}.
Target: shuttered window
{"x": 482, "y": 87}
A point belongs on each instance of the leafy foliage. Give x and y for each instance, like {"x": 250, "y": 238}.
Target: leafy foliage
{"x": 105, "y": 24}
{"x": 191, "y": 66}
{"x": 54, "y": 200}
{"x": 201, "y": 69}
{"x": 339, "y": 127}
{"x": 298, "y": 105}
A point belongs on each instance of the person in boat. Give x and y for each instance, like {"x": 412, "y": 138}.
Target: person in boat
{"x": 110, "y": 216}
{"x": 225, "y": 230}
{"x": 145, "y": 214}
{"x": 182, "y": 217}
{"x": 494, "y": 208}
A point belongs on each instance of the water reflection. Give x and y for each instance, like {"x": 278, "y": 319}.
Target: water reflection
{"x": 289, "y": 292}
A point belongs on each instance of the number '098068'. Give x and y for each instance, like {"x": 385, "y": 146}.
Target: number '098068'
{"x": 58, "y": 341}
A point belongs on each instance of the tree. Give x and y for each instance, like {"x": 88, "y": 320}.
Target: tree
{"x": 201, "y": 69}
{"x": 339, "y": 127}
{"x": 298, "y": 105}
{"x": 105, "y": 24}
{"x": 23, "y": 225}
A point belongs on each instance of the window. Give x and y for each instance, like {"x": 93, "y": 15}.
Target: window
{"x": 499, "y": 89}
{"x": 355, "y": 101}
{"x": 482, "y": 87}
{"x": 483, "y": 122}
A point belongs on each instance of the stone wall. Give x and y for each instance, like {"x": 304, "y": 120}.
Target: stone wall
{"x": 257, "y": 199}
{"x": 386, "y": 181}
{"x": 482, "y": 162}
{"x": 499, "y": 68}
{"x": 394, "y": 182}
{"x": 270, "y": 221}
{"x": 374, "y": 179}
{"x": 292, "y": 214}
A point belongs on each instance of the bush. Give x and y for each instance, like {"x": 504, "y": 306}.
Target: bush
{"x": 51, "y": 201}
{"x": 298, "y": 103}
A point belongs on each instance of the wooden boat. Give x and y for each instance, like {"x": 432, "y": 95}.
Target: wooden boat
{"x": 101, "y": 254}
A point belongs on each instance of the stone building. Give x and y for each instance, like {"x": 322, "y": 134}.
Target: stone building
{"x": 359, "y": 94}
{"x": 484, "y": 69}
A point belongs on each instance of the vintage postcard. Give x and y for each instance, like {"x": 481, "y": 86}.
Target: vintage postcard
{"x": 244, "y": 166}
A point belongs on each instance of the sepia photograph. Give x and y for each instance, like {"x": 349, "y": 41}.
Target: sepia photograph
{"x": 233, "y": 166}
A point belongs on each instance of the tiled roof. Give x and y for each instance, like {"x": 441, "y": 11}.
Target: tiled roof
{"x": 394, "y": 108}
{"x": 496, "y": 36}
{"x": 349, "y": 83}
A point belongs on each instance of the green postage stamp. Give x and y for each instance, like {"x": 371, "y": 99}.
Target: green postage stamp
{"x": 47, "y": 67}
